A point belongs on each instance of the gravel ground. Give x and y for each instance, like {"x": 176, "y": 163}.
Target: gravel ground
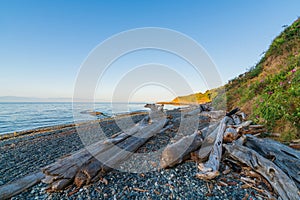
{"x": 26, "y": 154}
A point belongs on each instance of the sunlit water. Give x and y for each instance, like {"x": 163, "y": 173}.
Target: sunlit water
{"x": 16, "y": 117}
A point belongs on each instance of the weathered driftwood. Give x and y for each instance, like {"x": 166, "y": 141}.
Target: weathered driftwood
{"x": 284, "y": 157}
{"x": 210, "y": 169}
{"x": 193, "y": 112}
{"x": 252, "y": 131}
{"x": 236, "y": 119}
{"x": 111, "y": 158}
{"x": 214, "y": 115}
{"x": 242, "y": 115}
{"x": 84, "y": 165}
{"x": 9, "y": 190}
{"x": 230, "y": 135}
{"x": 242, "y": 125}
{"x": 205, "y": 107}
{"x": 207, "y": 144}
{"x": 62, "y": 172}
{"x": 209, "y": 129}
{"x": 234, "y": 131}
{"x": 295, "y": 146}
{"x": 180, "y": 150}
{"x": 154, "y": 107}
{"x": 281, "y": 182}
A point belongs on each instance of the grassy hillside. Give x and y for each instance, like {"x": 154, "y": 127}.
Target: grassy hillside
{"x": 270, "y": 91}
{"x": 193, "y": 98}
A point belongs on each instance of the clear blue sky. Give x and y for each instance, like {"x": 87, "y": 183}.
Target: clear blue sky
{"x": 43, "y": 43}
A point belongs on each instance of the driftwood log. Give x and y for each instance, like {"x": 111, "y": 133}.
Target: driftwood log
{"x": 210, "y": 169}
{"x": 110, "y": 159}
{"x": 207, "y": 145}
{"x": 214, "y": 115}
{"x": 234, "y": 131}
{"x": 281, "y": 182}
{"x": 62, "y": 172}
{"x": 9, "y": 190}
{"x": 284, "y": 157}
{"x": 180, "y": 150}
{"x": 230, "y": 135}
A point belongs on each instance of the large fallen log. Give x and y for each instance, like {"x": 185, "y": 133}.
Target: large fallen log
{"x": 283, "y": 156}
{"x": 180, "y": 150}
{"x": 9, "y": 190}
{"x": 62, "y": 172}
{"x": 84, "y": 165}
{"x": 210, "y": 135}
{"x": 210, "y": 169}
{"x": 214, "y": 115}
{"x": 110, "y": 159}
{"x": 194, "y": 111}
{"x": 281, "y": 183}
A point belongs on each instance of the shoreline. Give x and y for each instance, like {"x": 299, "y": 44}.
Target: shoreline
{"x": 181, "y": 103}
{"x": 40, "y": 130}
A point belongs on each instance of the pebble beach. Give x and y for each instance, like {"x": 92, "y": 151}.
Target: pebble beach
{"x": 29, "y": 153}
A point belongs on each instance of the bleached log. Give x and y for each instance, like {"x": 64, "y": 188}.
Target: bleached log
{"x": 62, "y": 172}
{"x": 154, "y": 107}
{"x": 236, "y": 119}
{"x": 207, "y": 144}
{"x": 180, "y": 150}
{"x": 286, "y": 158}
{"x": 214, "y": 115}
{"x": 193, "y": 112}
{"x": 242, "y": 125}
{"x": 9, "y": 190}
{"x": 112, "y": 157}
{"x": 210, "y": 169}
{"x": 281, "y": 182}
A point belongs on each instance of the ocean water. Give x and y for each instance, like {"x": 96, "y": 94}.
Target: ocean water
{"x": 16, "y": 117}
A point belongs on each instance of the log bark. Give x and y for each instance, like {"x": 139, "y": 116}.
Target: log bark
{"x": 236, "y": 119}
{"x": 209, "y": 129}
{"x": 210, "y": 169}
{"x": 230, "y": 135}
{"x": 214, "y": 115}
{"x": 295, "y": 146}
{"x": 281, "y": 183}
{"x": 244, "y": 124}
{"x": 110, "y": 159}
{"x": 193, "y": 112}
{"x": 207, "y": 144}
{"x": 154, "y": 107}
{"x": 62, "y": 172}
{"x": 84, "y": 165}
{"x": 180, "y": 150}
{"x": 9, "y": 190}
{"x": 283, "y": 156}
{"x": 252, "y": 131}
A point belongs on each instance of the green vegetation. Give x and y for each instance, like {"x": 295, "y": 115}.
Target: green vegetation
{"x": 277, "y": 104}
{"x": 194, "y": 98}
{"x": 270, "y": 91}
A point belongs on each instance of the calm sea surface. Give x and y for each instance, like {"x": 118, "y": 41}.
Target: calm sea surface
{"x": 26, "y": 116}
